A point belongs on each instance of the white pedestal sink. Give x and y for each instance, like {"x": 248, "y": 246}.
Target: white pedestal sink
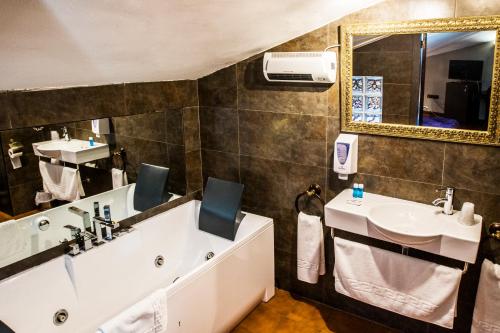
{"x": 407, "y": 223}
{"x": 73, "y": 151}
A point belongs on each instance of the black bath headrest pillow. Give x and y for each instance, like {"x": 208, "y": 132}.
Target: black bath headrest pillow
{"x": 151, "y": 187}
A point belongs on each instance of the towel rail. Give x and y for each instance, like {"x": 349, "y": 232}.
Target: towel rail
{"x": 405, "y": 250}
{"x": 48, "y": 159}
{"x": 120, "y": 159}
{"x": 313, "y": 191}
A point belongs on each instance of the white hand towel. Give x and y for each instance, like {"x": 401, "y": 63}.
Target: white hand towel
{"x": 64, "y": 183}
{"x": 486, "y": 317}
{"x": 15, "y": 158}
{"x": 14, "y": 243}
{"x": 119, "y": 178}
{"x": 412, "y": 287}
{"x": 147, "y": 316}
{"x": 310, "y": 248}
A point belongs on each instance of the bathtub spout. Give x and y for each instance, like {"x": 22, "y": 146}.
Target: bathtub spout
{"x": 83, "y": 214}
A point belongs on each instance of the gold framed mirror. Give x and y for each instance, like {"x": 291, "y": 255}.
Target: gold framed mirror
{"x": 433, "y": 79}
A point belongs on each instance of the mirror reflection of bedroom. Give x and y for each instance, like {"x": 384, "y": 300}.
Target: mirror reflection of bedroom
{"x": 431, "y": 79}
{"x": 458, "y": 75}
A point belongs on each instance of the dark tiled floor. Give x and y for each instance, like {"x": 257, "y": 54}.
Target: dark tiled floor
{"x": 286, "y": 313}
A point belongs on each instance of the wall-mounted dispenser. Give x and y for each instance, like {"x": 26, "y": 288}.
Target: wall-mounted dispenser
{"x": 100, "y": 126}
{"x": 345, "y": 155}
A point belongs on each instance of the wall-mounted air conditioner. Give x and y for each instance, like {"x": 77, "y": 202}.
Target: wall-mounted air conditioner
{"x": 312, "y": 67}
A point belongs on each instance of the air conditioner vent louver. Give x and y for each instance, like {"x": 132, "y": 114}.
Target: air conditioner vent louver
{"x": 290, "y": 77}
{"x": 296, "y": 54}
{"x": 307, "y": 67}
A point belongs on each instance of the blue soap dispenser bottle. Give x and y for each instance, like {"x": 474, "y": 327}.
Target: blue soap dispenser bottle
{"x": 355, "y": 190}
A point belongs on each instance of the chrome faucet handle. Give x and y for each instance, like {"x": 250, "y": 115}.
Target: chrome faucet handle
{"x": 97, "y": 222}
{"x": 87, "y": 238}
{"x": 110, "y": 226}
{"x": 75, "y": 231}
{"x": 83, "y": 239}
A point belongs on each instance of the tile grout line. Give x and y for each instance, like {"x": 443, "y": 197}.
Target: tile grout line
{"x": 238, "y": 119}
{"x": 442, "y": 168}
{"x": 284, "y": 113}
{"x": 199, "y": 133}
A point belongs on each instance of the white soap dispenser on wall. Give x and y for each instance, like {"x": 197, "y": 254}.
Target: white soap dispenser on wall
{"x": 345, "y": 155}
{"x": 100, "y": 126}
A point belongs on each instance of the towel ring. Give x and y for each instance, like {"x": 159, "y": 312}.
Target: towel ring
{"x": 494, "y": 231}
{"x": 313, "y": 191}
{"x": 120, "y": 159}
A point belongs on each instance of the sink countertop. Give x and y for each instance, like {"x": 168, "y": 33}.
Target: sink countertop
{"x": 72, "y": 145}
{"x": 73, "y": 151}
{"x": 454, "y": 239}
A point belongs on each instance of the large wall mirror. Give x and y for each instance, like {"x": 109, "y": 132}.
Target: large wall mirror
{"x": 432, "y": 79}
{"x": 51, "y": 173}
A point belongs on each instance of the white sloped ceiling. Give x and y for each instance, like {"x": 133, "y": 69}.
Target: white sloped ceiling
{"x": 60, "y": 43}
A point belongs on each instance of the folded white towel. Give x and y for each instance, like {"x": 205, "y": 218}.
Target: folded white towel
{"x": 147, "y": 316}
{"x": 64, "y": 183}
{"x": 14, "y": 242}
{"x": 486, "y": 317}
{"x": 310, "y": 248}
{"x": 119, "y": 178}
{"x": 412, "y": 287}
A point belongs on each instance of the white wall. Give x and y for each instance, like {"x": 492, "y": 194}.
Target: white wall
{"x": 436, "y": 72}
{"x": 59, "y": 43}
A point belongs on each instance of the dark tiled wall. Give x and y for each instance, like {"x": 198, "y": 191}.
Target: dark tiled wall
{"x": 278, "y": 138}
{"x": 397, "y": 59}
{"x": 156, "y": 122}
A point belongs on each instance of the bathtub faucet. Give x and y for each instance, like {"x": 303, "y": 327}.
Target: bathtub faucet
{"x": 111, "y": 227}
{"x": 83, "y": 214}
{"x": 83, "y": 240}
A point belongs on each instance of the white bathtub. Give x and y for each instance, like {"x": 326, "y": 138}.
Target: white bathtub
{"x": 31, "y": 240}
{"x": 208, "y": 296}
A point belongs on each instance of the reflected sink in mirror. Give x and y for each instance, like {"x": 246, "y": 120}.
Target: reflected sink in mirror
{"x": 73, "y": 151}
{"x": 25, "y": 237}
{"x": 407, "y": 223}
{"x": 34, "y": 211}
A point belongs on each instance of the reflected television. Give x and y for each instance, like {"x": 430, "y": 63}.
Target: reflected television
{"x": 466, "y": 70}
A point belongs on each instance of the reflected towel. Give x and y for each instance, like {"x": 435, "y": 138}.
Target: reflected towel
{"x": 147, "y": 316}
{"x": 486, "y": 314}
{"x": 119, "y": 178}
{"x": 14, "y": 242}
{"x": 64, "y": 183}
{"x": 412, "y": 287}
{"x": 310, "y": 248}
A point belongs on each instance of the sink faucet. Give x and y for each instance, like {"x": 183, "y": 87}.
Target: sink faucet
{"x": 66, "y": 134}
{"x": 447, "y": 201}
{"x": 83, "y": 214}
